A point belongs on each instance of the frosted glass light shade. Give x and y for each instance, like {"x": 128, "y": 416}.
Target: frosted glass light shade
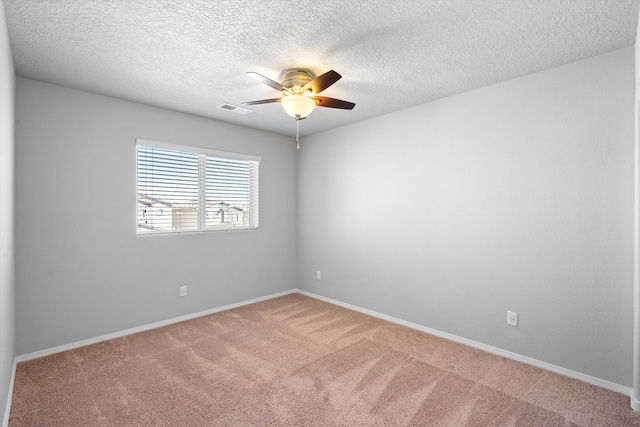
{"x": 298, "y": 106}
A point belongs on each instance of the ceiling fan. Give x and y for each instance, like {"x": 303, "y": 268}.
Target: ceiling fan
{"x": 300, "y": 89}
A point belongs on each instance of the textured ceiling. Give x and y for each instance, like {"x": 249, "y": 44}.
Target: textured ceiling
{"x": 191, "y": 56}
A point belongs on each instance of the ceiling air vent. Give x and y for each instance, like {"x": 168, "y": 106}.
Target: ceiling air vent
{"x": 235, "y": 109}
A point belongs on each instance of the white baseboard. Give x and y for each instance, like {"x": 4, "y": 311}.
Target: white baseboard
{"x": 635, "y": 403}
{"x": 7, "y": 409}
{"x": 89, "y": 341}
{"x": 495, "y": 350}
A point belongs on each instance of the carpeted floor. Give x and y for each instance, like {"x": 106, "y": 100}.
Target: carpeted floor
{"x": 297, "y": 361}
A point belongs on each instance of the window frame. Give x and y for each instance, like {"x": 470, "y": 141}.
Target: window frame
{"x": 207, "y": 152}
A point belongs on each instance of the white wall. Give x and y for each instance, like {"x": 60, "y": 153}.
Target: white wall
{"x": 7, "y": 283}
{"x": 517, "y": 196}
{"x": 81, "y": 272}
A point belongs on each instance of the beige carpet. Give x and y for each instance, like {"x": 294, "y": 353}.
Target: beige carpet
{"x": 297, "y": 361}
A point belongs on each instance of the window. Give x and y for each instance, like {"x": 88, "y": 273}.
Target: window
{"x": 185, "y": 189}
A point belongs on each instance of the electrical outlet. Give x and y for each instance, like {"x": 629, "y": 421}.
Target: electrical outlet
{"x": 183, "y": 291}
{"x": 318, "y": 275}
{"x": 512, "y": 318}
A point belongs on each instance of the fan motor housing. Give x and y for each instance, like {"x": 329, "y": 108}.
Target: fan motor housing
{"x": 293, "y": 79}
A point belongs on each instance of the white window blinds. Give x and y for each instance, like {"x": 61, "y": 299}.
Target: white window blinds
{"x": 183, "y": 189}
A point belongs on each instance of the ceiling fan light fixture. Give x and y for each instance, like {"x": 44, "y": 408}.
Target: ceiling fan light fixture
{"x": 298, "y": 106}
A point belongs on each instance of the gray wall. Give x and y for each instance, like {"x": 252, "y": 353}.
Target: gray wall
{"x": 635, "y": 395}
{"x": 81, "y": 272}
{"x": 517, "y": 196}
{"x": 7, "y": 300}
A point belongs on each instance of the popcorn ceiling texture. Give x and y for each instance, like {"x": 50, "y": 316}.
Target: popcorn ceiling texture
{"x": 191, "y": 56}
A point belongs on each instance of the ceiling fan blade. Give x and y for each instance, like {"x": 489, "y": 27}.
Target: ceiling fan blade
{"x": 323, "y": 101}
{"x": 262, "y": 101}
{"x": 265, "y": 80}
{"x": 322, "y": 82}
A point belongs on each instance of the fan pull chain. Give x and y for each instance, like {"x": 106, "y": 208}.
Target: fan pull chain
{"x": 298, "y": 133}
